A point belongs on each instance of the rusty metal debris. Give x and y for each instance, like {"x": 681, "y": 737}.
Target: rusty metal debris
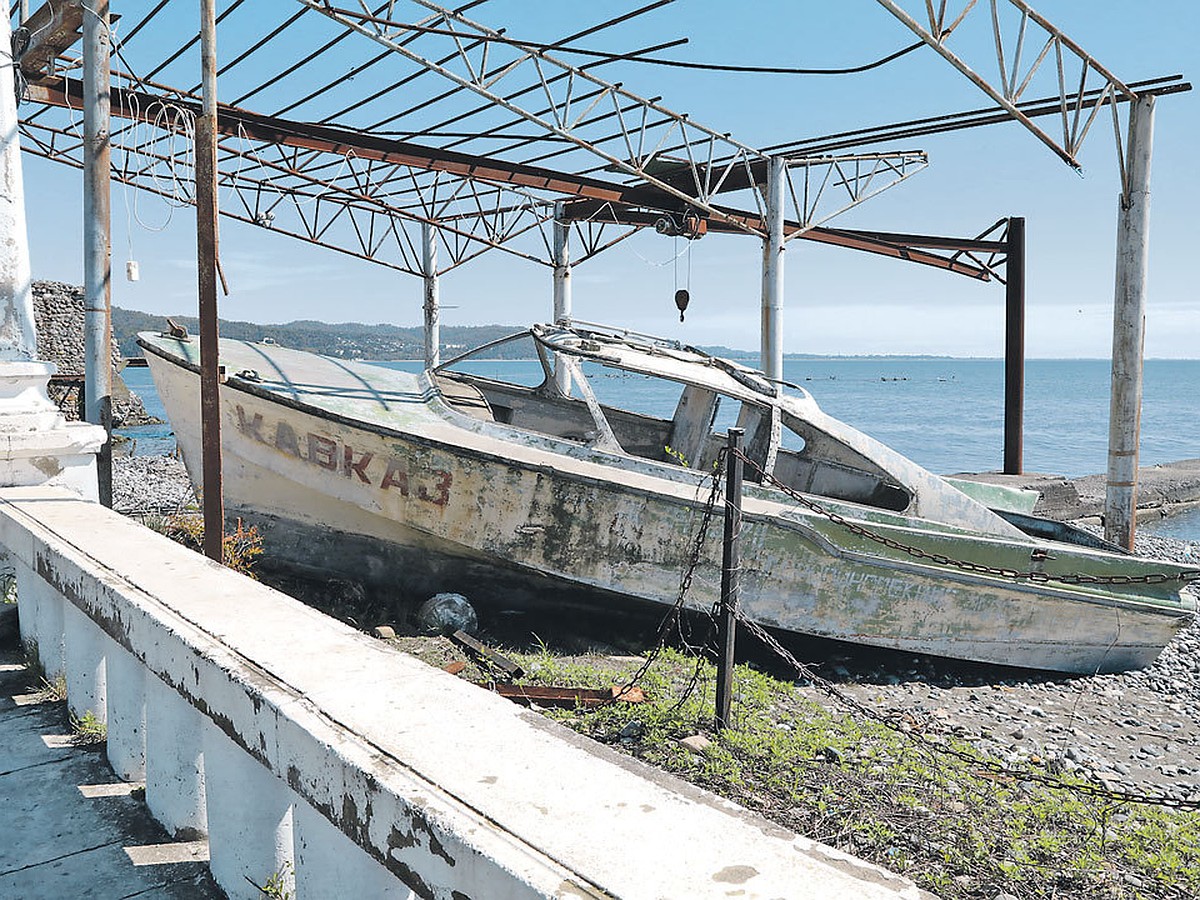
{"x": 570, "y": 697}
{"x": 541, "y": 694}
{"x": 486, "y": 657}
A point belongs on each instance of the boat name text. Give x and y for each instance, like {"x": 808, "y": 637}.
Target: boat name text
{"x": 432, "y": 486}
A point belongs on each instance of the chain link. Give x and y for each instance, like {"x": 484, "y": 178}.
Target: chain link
{"x": 941, "y": 559}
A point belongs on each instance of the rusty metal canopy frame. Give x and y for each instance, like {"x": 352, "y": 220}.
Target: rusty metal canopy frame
{"x": 411, "y": 113}
{"x": 349, "y": 126}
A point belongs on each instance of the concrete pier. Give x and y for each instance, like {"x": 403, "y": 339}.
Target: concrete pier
{"x": 1162, "y": 491}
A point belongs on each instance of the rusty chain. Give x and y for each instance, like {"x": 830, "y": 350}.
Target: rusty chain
{"x": 1185, "y": 576}
{"x": 672, "y": 616}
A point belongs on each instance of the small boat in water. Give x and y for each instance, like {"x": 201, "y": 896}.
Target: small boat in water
{"x": 552, "y": 481}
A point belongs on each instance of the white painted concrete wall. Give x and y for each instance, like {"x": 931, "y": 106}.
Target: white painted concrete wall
{"x": 298, "y": 745}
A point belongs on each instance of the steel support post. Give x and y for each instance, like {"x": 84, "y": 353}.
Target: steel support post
{"x": 206, "y": 258}
{"x": 429, "y": 239}
{"x": 772, "y": 284}
{"x": 1129, "y": 328}
{"x": 730, "y": 578}
{"x": 1014, "y": 347}
{"x": 562, "y": 284}
{"x": 97, "y": 237}
{"x": 24, "y": 12}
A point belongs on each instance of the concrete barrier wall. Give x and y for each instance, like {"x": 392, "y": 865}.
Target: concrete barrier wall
{"x": 299, "y": 746}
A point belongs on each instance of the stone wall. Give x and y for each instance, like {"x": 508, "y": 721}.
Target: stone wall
{"x": 58, "y": 313}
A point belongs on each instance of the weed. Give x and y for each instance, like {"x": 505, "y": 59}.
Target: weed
{"x": 676, "y": 455}
{"x": 88, "y": 730}
{"x": 54, "y": 691}
{"x": 8, "y": 587}
{"x": 240, "y": 547}
{"x": 277, "y": 886}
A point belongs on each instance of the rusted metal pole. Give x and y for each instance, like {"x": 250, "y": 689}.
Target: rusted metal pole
{"x": 772, "y": 284}
{"x": 1014, "y": 347}
{"x": 730, "y": 578}
{"x": 206, "y": 257}
{"x": 433, "y": 339}
{"x": 1129, "y": 329}
{"x": 562, "y": 284}
{"x": 97, "y": 236}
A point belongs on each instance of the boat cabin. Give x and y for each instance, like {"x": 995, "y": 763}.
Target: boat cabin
{"x": 642, "y": 397}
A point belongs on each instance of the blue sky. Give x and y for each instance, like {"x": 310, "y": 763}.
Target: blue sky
{"x": 836, "y": 301}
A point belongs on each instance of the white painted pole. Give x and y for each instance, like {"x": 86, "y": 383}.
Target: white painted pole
{"x": 429, "y": 238}
{"x": 97, "y": 238}
{"x": 1129, "y": 329}
{"x": 18, "y": 339}
{"x": 772, "y": 284}
{"x": 562, "y": 285}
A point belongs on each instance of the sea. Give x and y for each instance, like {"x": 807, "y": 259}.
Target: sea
{"x": 945, "y": 414}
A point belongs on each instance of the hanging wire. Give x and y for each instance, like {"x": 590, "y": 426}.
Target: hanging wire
{"x": 669, "y": 63}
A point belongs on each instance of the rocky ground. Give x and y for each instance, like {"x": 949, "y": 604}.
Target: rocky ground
{"x": 150, "y": 484}
{"x": 1135, "y": 731}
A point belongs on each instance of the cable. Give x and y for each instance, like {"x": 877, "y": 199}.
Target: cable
{"x": 755, "y": 70}
{"x": 669, "y": 63}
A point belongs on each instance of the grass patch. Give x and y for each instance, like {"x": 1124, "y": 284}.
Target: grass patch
{"x": 955, "y": 828}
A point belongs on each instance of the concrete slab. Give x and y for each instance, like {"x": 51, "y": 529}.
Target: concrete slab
{"x": 71, "y": 829}
{"x": 1162, "y": 490}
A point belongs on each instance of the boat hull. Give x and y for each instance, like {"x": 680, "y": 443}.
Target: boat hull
{"x": 425, "y": 504}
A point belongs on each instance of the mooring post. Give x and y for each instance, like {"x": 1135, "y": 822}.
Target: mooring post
{"x": 562, "y": 284}
{"x": 429, "y": 254}
{"x": 772, "y": 282}
{"x": 1014, "y": 347}
{"x": 97, "y": 237}
{"x": 1129, "y": 329}
{"x": 730, "y": 577}
{"x": 206, "y": 258}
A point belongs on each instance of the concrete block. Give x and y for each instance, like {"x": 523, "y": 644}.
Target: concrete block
{"x": 85, "y": 668}
{"x": 126, "y": 704}
{"x": 174, "y": 762}
{"x": 249, "y": 820}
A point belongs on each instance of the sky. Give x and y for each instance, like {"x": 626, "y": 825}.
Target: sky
{"x": 836, "y": 301}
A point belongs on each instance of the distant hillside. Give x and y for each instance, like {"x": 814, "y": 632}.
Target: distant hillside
{"x": 348, "y": 340}
{"x": 354, "y": 340}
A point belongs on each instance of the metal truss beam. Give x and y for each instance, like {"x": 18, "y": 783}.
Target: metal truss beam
{"x": 1025, "y": 49}
{"x": 666, "y": 152}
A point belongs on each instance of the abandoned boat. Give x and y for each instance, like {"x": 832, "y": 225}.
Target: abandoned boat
{"x": 554, "y": 482}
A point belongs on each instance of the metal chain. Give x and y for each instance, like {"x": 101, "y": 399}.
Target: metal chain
{"x": 672, "y": 616}
{"x": 1185, "y": 576}
{"x": 991, "y": 766}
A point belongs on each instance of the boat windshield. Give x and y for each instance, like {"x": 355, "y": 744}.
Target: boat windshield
{"x": 596, "y": 402}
